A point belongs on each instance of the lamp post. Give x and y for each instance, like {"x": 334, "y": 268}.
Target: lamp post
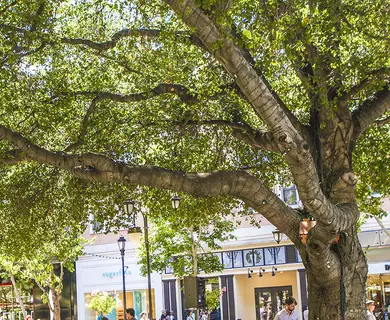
{"x": 146, "y": 227}
{"x": 129, "y": 206}
{"x": 122, "y": 248}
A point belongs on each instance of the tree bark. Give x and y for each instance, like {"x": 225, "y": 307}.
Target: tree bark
{"x": 336, "y": 275}
{"x": 56, "y": 304}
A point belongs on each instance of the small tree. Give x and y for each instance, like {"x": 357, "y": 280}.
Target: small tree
{"x": 184, "y": 241}
{"x": 102, "y": 302}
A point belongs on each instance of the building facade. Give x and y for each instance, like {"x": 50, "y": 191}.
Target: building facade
{"x": 100, "y": 269}
{"x": 258, "y": 275}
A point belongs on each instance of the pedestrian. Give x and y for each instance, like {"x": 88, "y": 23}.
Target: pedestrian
{"x": 370, "y": 304}
{"x": 163, "y": 314}
{"x": 189, "y": 315}
{"x": 288, "y": 313}
{"x": 143, "y": 316}
{"x": 306, "y": 314}
{"x": 171, "y": 315}
{"x": 130, "y": 314}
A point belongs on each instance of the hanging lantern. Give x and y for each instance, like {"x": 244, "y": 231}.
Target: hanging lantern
{"x": 277, "y": 235}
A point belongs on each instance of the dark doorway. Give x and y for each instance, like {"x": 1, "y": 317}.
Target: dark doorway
{"x": 270, "y": 300}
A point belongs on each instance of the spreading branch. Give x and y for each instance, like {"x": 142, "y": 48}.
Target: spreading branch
{"x": 355, "y": 90}
{"x": 150, "y": 33}
{"x": 181, "y": 91}
{"x": 99, "y": 167}
{"x": 264, "y": 103}
{"x": 370, "y": 110}
{"x": 382, "y": 122}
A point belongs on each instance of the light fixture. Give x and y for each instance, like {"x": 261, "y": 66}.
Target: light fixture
{"x": 128, "y": 205}
{"x": 249, "y": 273}
{"x": 273, "y": 270}
{"x": 122, "y": 248}
{"x": 175, "y": 201}
{"x": 277, "y": 235}
{"x": 261, "y": 272}
{"x": 122, "y": 245}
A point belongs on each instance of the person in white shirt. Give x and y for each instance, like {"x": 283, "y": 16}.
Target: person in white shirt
{"x": 288, "y": 313}
{"x": 306, "y": 314}
{"x": 370, "y": 304}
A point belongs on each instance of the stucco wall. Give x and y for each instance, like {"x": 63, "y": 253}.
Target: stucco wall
{"x": 245, "y": 290}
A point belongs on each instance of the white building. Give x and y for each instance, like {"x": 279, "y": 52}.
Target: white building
{"x": 101, "y": 269}
{"x": 258, "y": 273}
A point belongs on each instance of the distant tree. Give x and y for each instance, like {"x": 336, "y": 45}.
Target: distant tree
{"x": 183, "y": 240}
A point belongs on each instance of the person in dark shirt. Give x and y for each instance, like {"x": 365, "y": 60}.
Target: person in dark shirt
{"x": 130, "y": 314}
{"x": 163, "y": 315}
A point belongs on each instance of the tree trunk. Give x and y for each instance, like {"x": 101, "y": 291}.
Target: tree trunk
{"x": 56, "y": 304}
{"x": 336, "y": 283}
{"x": 18, "y": 296}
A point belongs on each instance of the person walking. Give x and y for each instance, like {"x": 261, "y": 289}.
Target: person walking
{"x": 130, "y": 314}
{"x": 370, "y": 305}
{"x": 306, "y": 314}
{"x": 288, "y": 313}
{"x": 163, "y": 315}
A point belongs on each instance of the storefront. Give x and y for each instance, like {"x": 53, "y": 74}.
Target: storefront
{"x": 378, "y": 289}
{"x": 101, "y": 270}
{"x": 9, "y": 306}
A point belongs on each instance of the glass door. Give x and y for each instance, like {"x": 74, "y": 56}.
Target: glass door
{"x": 270, "y": 300}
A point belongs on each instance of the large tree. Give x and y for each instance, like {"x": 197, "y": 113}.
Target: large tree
{"x": 210, "y": 98}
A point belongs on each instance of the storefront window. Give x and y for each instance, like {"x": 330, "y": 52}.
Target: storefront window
{"x": 9, "y": 308}
{"x": 137, "y": 299}
{"x": 378, "y": 289}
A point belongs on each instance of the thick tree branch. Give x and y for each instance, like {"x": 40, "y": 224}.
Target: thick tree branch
{"x": 181, "y": 91}
{"x": 346, "y": 96}
{"x": 257, "y": 140}
{"x": 231, "y": 57}
{"x": 98, "y": 167}
{"x": 151, "y": 33}
{"x": 382, "y": 122}
{"x": 286, "y": 135}
{"x": 369, "y": 111}
{"x": 84, "y": 125}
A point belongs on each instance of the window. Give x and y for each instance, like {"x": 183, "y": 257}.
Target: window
{"x": 290, "y": 195}
{"x": 275, "y": 255}
{"x": 248, "y": 258}
{"x": 169, "y": 268}
{"x": 97, "y": 227}
{"x": 258, "y": 255}
{"x": 228, "y": 259}
{"x": 237, "y": 259}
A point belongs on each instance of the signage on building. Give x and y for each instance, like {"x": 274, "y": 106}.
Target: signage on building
{"x": 113, "y": 274}
{"x": 387, "y": 266}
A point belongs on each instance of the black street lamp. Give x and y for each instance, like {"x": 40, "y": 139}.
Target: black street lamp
{"x": 129, "y": 206}
{"x": 122, "y": 248}
{"x": 146, "y": 230}
{"x": 277, "y": 235}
